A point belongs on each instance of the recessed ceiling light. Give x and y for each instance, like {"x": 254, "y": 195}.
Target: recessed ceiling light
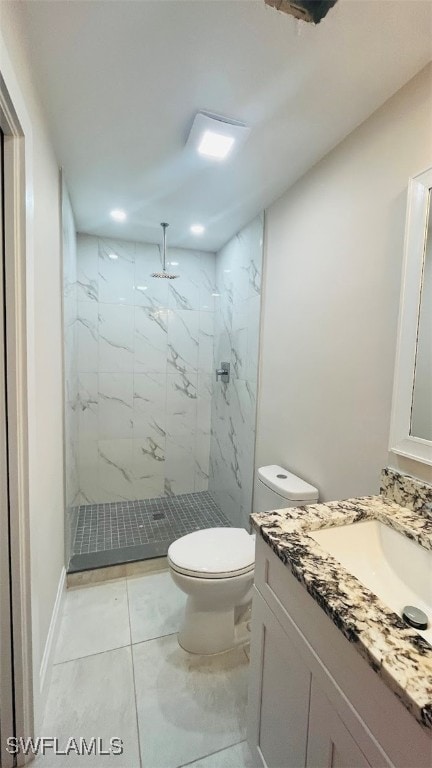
{"x": 112, "y": 256}
{"x": 216, "y": 145}
{"x": 141, "y": 287}
{"x": 173, "y": 263}
{"x": 118, "y": 215}
{"x": 197, "y": 229}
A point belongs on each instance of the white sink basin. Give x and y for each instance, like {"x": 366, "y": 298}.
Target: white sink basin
{"x": 396, "y": 569}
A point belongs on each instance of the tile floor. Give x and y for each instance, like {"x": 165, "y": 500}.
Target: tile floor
{"x": 119, "y": 671}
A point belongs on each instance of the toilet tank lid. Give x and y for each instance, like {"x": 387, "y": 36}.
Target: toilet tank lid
{"x": 286, "y": 484}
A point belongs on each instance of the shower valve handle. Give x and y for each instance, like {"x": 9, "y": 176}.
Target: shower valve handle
{"x": 223, "y": 373}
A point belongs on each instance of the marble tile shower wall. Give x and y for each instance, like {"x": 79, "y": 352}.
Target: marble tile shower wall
{"x": 237, "y": 321}
{"x": 145, "y": 360}
{"x": 70, "y": 351}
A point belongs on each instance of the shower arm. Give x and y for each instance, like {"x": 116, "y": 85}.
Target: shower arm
{"x": 164, "y": 272}
{"x": 164, "y": 226}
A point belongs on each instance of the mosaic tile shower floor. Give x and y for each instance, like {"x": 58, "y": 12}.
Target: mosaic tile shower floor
{"x": 119, "y": 532}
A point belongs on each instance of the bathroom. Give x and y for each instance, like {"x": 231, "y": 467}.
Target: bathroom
{"x": 286, "y": 261}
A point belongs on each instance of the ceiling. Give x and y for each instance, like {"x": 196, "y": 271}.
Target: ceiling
{"x": 122, "y": 81}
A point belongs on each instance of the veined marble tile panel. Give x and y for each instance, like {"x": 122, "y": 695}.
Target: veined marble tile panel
{"x": 207, "y": 281}
{"x": 149, "y": 291}
{"x": 87, "y": 336}
{"x": 87, "y": 268}
{"x": 251, "y": 244}
{"x": 181, "y": 403}
{"x": 253, "y": 337}
{"x": 88, "y": 406}
{"x": 206, "y": 340}
{"x": 116, "y": 271}
{"x": 71, "y": 360}
{"x": 116, "y": 338}
{"x": 239, "y": 352}
{"x": 183, "y": 341}
{"x": 180, "y": 463}
{"x": 150, "y": 343}
{"x": 116, "y": 473}
{"x": 206, "y": 386}
{"x": 202, "y": 460}
{"x": 240, "y": 315}
{"x": 222, "y": 346}
{"x": 184, "y": 292}
{"x": 148, "y": 466}
{"x": 88, "y": 467}
{"x": 116, "y": 405}
{"x": 149, "y": 405}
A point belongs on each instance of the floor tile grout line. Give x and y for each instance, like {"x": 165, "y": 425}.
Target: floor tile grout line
{"x": 90, "y": 655}
{"x": 151, "y": 639}
{"x": 129, "y": 613}
{"x": 134, "y": 683}
{"x": 117, "y": 648}
{"x": 210, "y": 754}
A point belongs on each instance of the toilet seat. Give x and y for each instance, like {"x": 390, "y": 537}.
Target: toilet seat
{"x": 213, "y": 553}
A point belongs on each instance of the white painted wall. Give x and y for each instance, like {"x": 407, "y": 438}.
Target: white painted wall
{"x": 45, "y": 334}
{"x": 334, "y": 245}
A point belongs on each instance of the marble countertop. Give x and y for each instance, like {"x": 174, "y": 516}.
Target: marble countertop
{"x": 396, "y": 652}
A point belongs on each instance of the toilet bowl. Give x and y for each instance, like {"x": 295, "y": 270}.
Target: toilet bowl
{"x": 215, "y": 569}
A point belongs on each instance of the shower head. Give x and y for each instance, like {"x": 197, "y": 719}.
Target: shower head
{"x": 164, "y": 273}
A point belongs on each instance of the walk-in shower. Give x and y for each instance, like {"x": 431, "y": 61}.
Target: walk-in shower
{"x": 156, "y": 445}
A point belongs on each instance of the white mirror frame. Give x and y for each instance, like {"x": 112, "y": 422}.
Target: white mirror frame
{"x": 401, "y": 441}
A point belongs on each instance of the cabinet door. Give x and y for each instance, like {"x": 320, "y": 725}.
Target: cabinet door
{"x": 330, "y": 744}
{"x": 278, "y": 694}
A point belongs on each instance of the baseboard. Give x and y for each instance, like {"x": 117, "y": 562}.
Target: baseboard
{"x": 48, "y": 654}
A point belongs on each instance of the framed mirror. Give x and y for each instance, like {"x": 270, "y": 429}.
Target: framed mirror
{"x": 411, "y": 423}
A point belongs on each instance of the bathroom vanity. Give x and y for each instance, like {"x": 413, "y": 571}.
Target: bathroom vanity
{"x": 337, "y": 678}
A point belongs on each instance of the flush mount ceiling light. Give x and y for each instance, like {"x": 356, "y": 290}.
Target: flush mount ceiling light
{"x": 214, "y": 137}
{"x": 216, "y": 145}
{"x": 197, "y": 229}
{"x": 118, "y": 215}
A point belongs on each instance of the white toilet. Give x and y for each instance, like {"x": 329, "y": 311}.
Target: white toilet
{"x": 215, "y": 567}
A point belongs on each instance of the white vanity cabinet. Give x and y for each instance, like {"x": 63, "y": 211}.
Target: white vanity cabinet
{"x": 313, "y": 701}
{"x": 280, "y": 693}
{"x": 329, "y": 741}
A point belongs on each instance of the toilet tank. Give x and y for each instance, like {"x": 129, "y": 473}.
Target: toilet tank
{"x": 277, "y": 488}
